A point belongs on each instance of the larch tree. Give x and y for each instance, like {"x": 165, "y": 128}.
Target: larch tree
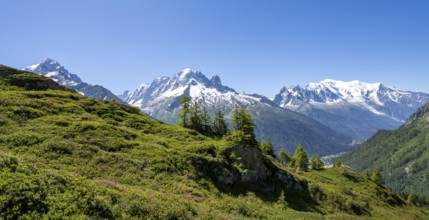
{"x": 316, "y": 163}
{"x": 195, "y": 118}
{"x": 206, "y": 121}
{"x": 376, "y": 177}
{"x": 219, "y": 126}
{"x": 243, "y": 126}
{"x": 184, "y": 102}
{"x": 283, "y": 156}
{"x": 267, "y": 148}
{"x": 300, "y": 159}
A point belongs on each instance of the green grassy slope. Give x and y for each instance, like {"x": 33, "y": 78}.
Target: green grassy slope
{"x": 63, "y": 155}
{"x": 401, "y": 155}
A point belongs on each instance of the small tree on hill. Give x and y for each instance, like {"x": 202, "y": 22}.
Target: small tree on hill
{"x": 267, "y": 148}
{"x": 195, "y": 118}
{"x": 300, "y": 159}
{"x": 206, "y": 121}
{"x": 338, "y": 163}
{"x": 219, "y": 127}
{"x": 283, "y": 156}
{"x": 184, "y": 102}
{"x": 243, "y": 126}
{"x": 411, "y": 199}
{"x": 316, "y": 163}
{"x": 376, "y": 177}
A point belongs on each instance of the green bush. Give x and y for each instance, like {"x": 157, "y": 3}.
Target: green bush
{"x": 8, "y": 161}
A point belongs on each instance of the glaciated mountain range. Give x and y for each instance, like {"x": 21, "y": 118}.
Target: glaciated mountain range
{"x": 284, "y": 127}
{"x": 354, "y": 108}
{"x": 52, "y": 69}
{"x": 326, "y": 117}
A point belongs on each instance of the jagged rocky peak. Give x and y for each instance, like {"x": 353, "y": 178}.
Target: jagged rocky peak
{"x": 47, "y": 65}
{"x": 188, "y": 75}
{"x": 216, "y": 81}
{"x": 53, "y": 69}
{"x": 186, "y": 80}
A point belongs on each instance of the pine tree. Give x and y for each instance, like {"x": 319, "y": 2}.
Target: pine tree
{"x": 219, "y": 126}
{"x": 243, "y": 126}
{"x": 195, "y": 118}
{"x": 283, "y": 156}
{"x": 376, "y": 177}
{"x": 300, "y": 159}
{"x": 205, "y": 120}
{"x": 338, "y": 163}
{"x": 267, "y": 148}
{"x": 316, "y": 163}
{"x": 411, "y": 200}
{"x": 185, "y": 101}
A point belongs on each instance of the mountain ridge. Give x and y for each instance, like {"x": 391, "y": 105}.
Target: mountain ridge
{"x": 376, "y": 105}
{"x": 54, "y": 70}
{"x": 285, "y": 128}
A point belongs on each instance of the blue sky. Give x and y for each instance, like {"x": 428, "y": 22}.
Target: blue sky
{"x": 254, "y": 46}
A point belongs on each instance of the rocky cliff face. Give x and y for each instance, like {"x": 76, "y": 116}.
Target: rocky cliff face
{"x": 253, "y": 162}
{"x": 255, "y": 170}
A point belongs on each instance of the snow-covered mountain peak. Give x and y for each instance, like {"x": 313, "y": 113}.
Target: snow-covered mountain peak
{"x": 46, "y": 64}
{"x": 346, "y": 86}
{"x": 190, "y": 82}
{"x": 53, "y": 69}
{"x": 187, "y": 71}
{"x": 375, "y": 97}
{"x": 188, "y": 75}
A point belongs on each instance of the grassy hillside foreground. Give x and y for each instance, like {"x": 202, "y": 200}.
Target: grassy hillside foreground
{"x": 63, "y": 155}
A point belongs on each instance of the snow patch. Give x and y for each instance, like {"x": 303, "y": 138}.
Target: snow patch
{"x": 51, "y": 74}
{"x": 32, "y": 67}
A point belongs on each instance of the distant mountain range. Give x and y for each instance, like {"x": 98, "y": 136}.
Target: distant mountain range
{"x": 355, "y": 108}
{"x": 52, "y": 69}
{"x": 326, "y": 117}
{"x": 285, "y": 128}
{"x": 402, "y": 155}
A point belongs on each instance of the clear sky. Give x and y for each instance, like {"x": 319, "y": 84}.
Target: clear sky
{"x": 254, "y": 46}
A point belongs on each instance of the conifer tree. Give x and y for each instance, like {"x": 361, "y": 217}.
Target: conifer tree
{"x": 316, "y": 163}
{"x": 283, "y": 156}
{"x": 267, "y": 148}
{"x": 195, "y": 118}
{"x": 243, "y": 126}
{"x": 300, "y": 159}
{"x": 338, "y": 163}
{"x": 219, "y": 126}
{"x": 185, "y": 101}
{"x": 410, "y": 199}
{"x": 376, "y": 177}
{"x": 206, "y": 121}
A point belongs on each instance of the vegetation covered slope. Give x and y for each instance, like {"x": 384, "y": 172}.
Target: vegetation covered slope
{"x": 63, "y": 155}
{"x": 402, "y": 155}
